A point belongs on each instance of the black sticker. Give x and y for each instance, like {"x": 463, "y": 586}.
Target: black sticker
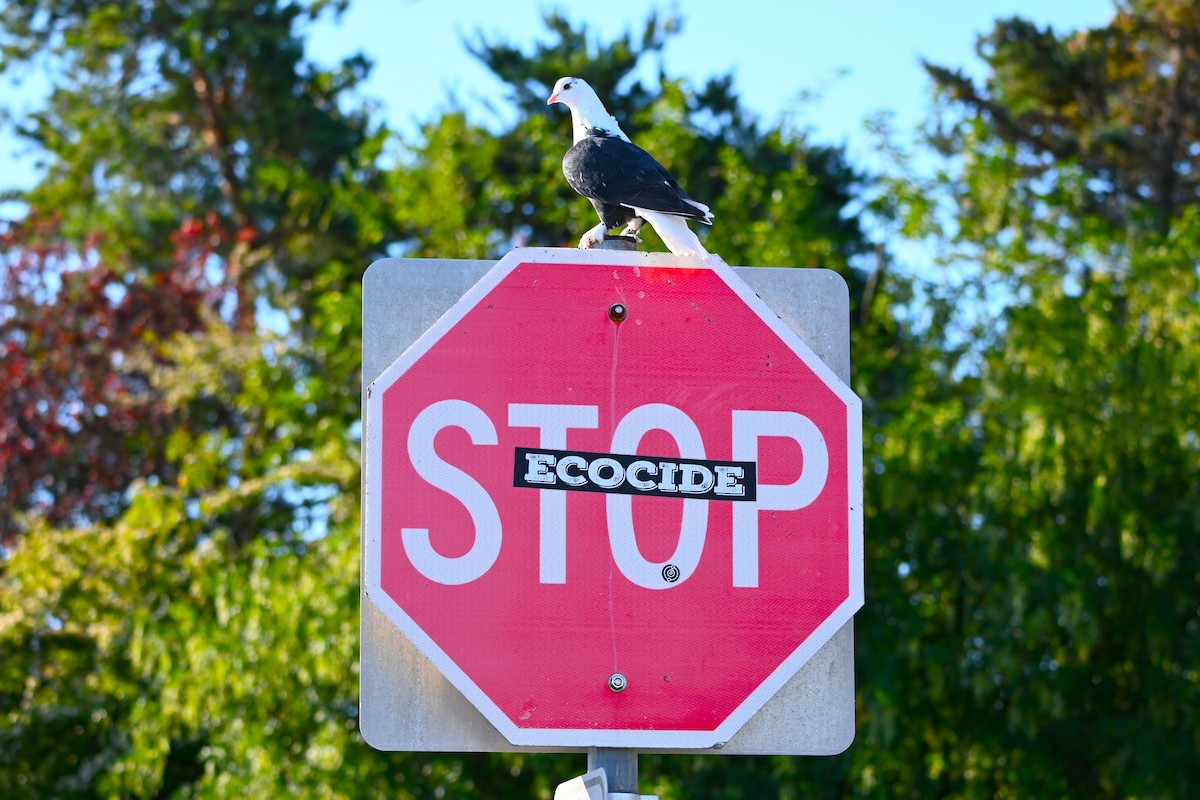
{"x": 616, "y": 473}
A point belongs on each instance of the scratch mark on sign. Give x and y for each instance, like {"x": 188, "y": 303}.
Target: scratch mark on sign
{"x": 612, "y": 617}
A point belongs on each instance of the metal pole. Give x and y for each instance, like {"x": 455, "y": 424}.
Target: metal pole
{"x": 620, "y": 768}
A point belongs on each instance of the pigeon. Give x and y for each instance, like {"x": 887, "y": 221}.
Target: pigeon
{"x": 624, "y": 183}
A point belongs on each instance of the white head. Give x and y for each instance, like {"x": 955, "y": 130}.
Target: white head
{"x": 572, "y": 92}
{"x": 587, "y": 111}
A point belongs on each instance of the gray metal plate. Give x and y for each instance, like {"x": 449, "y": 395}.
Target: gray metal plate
{"x": 406, "y": 703}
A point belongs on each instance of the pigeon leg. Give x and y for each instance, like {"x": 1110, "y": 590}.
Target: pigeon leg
{"x": 633, "y": 227}
{"x": 593, "y": 237}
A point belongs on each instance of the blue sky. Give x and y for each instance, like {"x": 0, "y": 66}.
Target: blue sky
{"x": 860, "y": 57}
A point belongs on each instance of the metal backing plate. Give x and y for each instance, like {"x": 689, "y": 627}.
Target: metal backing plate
{"x": 406, "y": 703}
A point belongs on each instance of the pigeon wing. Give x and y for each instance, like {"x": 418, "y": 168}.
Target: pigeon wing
{"x": 616, "y": 172}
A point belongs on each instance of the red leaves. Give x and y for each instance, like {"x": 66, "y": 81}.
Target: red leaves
{"x": 78, "y": 421}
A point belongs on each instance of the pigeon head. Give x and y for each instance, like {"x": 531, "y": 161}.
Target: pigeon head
{"x": 571, "y": 92}
{"x": 587, "y": 112}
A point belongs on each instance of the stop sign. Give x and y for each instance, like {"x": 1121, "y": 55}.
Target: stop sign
{"x": 614, "y": 499}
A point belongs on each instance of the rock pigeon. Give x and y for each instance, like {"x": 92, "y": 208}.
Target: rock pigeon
{"x": 624, "y": 183}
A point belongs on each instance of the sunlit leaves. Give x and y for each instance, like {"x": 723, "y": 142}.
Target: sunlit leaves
{"x": 1048, "y": 556}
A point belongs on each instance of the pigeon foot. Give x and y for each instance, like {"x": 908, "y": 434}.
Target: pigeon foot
{"x": 632, "y": 229}
{"x": 593, "y": 237}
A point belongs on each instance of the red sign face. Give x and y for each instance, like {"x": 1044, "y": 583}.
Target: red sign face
{"x": 617, "y": 505}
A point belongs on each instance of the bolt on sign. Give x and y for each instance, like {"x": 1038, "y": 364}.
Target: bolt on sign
{"x": 613, "y": 500}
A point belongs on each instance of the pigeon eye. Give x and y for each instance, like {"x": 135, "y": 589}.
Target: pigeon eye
{"x": 566, "y": 86}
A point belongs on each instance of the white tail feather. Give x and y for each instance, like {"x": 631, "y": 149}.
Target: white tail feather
{"x": 708, "y": 216}
{"x": 674, "y": 232}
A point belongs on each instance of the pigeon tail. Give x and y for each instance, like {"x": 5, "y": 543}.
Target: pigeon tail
{"x": 675, "y": 233}
{"x": 708, "y": 215}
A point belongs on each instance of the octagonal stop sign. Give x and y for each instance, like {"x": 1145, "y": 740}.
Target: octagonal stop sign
{"x": 614, "y": 499}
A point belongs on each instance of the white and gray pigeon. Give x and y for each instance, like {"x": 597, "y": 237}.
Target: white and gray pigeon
{"x": 624, "y": 183}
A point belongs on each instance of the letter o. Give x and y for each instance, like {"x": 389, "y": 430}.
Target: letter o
{"x": 616, "y": 473}
{"x": 622, "y": 537}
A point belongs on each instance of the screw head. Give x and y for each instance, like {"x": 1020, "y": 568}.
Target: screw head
{"x": 617, "y": 312}
{"x": 617, "y": 682}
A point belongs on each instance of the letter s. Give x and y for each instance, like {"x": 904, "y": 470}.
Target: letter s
{"x": 458, "y": 484}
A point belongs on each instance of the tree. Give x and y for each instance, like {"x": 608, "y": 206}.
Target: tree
{"x": 208, "y": 187}
{"x": 1120, "y": 103}
{"x": 1031, "y": 631}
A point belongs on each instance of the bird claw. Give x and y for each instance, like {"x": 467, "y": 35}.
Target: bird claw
{"x": 592, "y": 238}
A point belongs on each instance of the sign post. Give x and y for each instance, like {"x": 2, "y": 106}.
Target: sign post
{"x": 611, "y": 501}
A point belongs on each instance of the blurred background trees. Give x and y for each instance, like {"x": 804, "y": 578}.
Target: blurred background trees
{"x": 179, "y": 329}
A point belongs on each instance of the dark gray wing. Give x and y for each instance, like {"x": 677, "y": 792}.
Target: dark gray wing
{"x": 613, "y": 171}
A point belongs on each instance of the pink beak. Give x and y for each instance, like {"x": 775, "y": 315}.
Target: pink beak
{"x": 553, "y": 99}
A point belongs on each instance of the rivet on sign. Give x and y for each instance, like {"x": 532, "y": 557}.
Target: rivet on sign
{"x": 616, "y": 682}
{"x": 617, "y": 312}
{"x": 670, "y": 573}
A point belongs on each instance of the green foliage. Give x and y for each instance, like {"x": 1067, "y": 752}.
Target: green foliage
{"x": 1118, "y": 102}
{"x": 200, "y": 640}
{"x": 1031, "y": 627}
{"x": 1035, "y": 612}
